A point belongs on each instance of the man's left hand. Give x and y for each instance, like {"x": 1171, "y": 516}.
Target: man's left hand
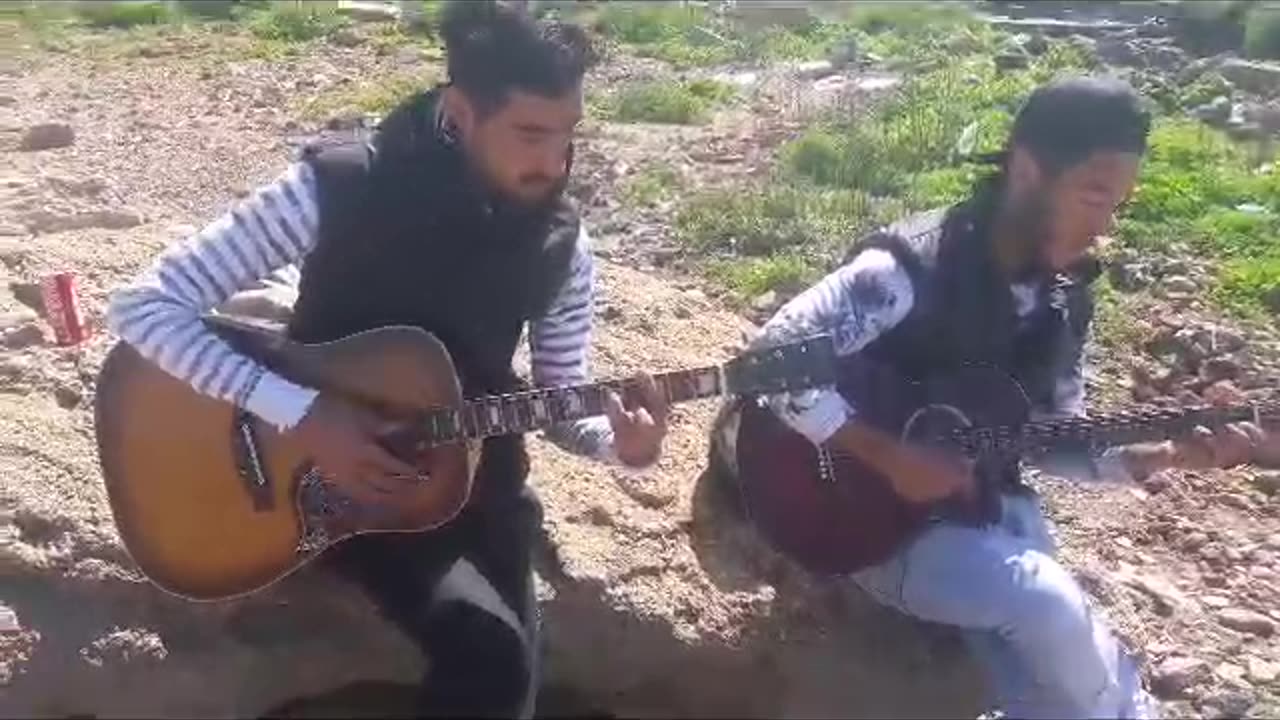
{"x": 1229, "y": 446}
{"x": 638, "y": 428}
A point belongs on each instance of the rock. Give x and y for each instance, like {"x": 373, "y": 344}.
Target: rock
{"x": 1164, "y": 57}
{"x": 1229, "y": 702}
{"x": 1216, "y": 112}
{"x": 1179, "y": 285}
{"x": 1131, "y": 276}
{"x": 346, "y": 37}
{"x": 369, "y": 11}
{"x": 1262, "y": 78}
{"x": 813, "y": 69}
{"x": 28, "y": 335}
{"x": 1261, "y": 672}
{"x": 28, "y": 294}
{"x": 1011, "y": 60}
{"x": 765, "y": 302}
{"x": 1167, "y": 597}
{"x": 1173, "y": 676}
{"x": 1034, "y": 44}
{"x": 68, "y": 396}
{"x": 47, "y": 136}
{"x": 1217, "y": 602}
{"x": 1267, "y": 482}
{"x": 1220, "y": 368}
{"x": 845, "y": 52}
{"x": 1246, "y": 621}
{"x": 11, "y": 321}
{"x": 51, "y": 221}
{"x": 1118, "y": 51}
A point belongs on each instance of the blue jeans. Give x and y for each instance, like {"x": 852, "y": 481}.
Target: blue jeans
{"x": 1023, "y": 615}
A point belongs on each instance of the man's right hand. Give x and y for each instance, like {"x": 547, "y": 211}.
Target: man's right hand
{"x": 341, "y": 440}
{"x": 918, "y": 474}
{"x": 922, "y": 475}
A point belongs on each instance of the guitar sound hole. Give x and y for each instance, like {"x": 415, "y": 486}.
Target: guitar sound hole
{"x": 934, "y": 425}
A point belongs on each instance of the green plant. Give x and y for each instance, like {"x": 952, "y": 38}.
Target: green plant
{"x": 126, "y": 13}
{"x": 374, "y": 98}
{"x": 748, "y": 278}
{"x": 292, "y": 21}
{"x": 666, "y": 101}
{"x": 765, "y": 222}
{"x": 1250, "y": 287}
{"x": 651, "y": 185}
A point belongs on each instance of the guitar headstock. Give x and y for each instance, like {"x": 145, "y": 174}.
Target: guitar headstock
{"x": 799, "y": 365}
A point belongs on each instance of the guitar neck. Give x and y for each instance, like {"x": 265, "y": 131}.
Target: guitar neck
{"x": 1108, "y": 430}
{"x": 531, "y": 410}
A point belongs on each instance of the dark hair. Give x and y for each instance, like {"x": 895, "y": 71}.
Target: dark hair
{"x": 493, "y": 47}
{"x": 1063, "y": 122}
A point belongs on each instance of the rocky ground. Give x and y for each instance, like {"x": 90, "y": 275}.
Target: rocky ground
{"x": 656, "y": 601}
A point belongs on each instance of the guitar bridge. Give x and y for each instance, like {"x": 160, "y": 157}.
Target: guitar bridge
{"x": 248, "y": 460}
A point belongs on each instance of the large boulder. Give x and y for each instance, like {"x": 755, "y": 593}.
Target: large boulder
{"x": 1262, "y": 78}
{"x": 656, "y": 598}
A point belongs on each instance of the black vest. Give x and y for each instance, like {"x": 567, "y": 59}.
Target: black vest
{"x": 407, "y": 239}
{"x": 964, "y": 310}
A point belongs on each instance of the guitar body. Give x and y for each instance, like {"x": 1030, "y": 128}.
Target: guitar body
{"x": 212, "y": 503}
{"x": 831, "y": 513}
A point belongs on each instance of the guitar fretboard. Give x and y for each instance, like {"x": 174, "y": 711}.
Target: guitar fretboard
{"x": 536, "y": 409}
{"x": 1109, "y": 430}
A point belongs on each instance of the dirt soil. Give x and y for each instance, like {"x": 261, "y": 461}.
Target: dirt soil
{"x": 1191, "y": 574}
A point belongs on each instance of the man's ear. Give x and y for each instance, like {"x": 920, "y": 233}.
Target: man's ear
{"x": 459, "y": 111}
{"x": 1024, "y": 170}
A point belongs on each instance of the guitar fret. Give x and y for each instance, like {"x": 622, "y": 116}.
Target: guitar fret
{"x": 538, "y": 404}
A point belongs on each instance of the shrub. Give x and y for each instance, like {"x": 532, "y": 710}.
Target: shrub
{"x": 666, "y": 101}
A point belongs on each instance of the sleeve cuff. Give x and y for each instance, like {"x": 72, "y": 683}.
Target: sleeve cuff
{"x": 279, "y": 402}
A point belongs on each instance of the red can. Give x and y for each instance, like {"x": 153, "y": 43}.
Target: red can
{"x": 62, "y": 308}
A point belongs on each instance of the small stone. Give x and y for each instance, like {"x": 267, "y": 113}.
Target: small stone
{"x": 1167, "y": 597}
{"x": 814, "y": 69}
{"x": 68, "y": 397}
{"x": 1194, "y": 541}
{"x": 765, "y": 302}
{"x": 1179, "y": 285}
{"x": 1230, "y": 702}
{"x": 1216, "y": 602}
{"x": 1267, "y": 482}
{"x": 1220, "y": 368}
{"x": 346, "y": 37}
{"x": 8, "y": 620}
{"x": 1246, "y": 621}
{"x": 47, "y": 136}
{"x": 1175, "y": 675}
{"x": 1011, "y": 60}
{"x": 13, "y": 320}
{"x": 28, "y": 294}
{"x": 29, "y": 335}
{"x": 1229, "y": 671}
{"x": 1261, "y": 671}
{"x": 1240, "y": 502}
{"x": 13, "y": 368}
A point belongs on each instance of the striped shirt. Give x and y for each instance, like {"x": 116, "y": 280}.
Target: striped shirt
{"x": 864, "y": 299}
{"x": 270, "y": 234}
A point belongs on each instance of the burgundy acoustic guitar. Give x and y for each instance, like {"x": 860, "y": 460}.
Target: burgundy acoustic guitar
{"x": 833, "y": 515}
